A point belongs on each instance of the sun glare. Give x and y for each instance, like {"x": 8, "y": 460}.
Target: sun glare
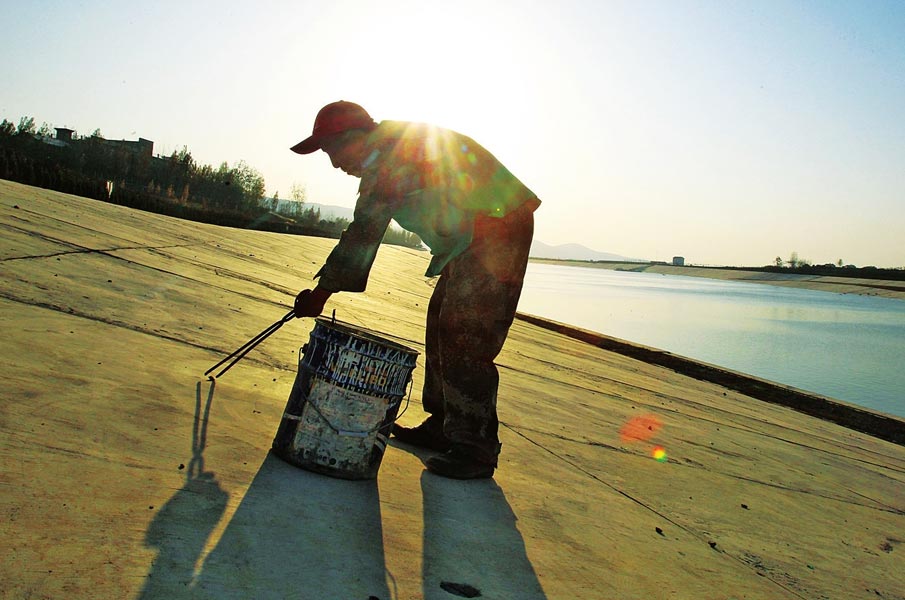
{"x": 437, "y": 64}
{"x": 472, "y": 67}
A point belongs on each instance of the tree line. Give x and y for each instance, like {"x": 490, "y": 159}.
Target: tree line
{"x": 803, "y": 266}
{"x": 126, "y": 173}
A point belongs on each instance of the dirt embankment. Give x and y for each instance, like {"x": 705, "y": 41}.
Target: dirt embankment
{"x": 127, "y": 474}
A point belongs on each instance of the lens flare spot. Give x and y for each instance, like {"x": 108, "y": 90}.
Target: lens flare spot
{"x": 640, "y": 429}
{"x": 659, "y": 454}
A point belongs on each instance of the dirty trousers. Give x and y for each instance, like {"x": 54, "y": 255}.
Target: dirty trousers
{"x": 468, "y": 319}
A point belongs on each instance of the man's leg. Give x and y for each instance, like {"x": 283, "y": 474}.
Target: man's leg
{"x": 429, "y": 434}
{"x": 432, "y": 392}
{"x": 480, "y": 298}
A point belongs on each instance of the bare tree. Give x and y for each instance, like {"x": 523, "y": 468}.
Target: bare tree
{"x": 298, "y": 193}
{"x": 26, "y": 126}
{"x": 793, "y": 260}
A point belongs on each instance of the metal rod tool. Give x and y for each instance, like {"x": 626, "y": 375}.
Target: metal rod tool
{"x": 249, "y": 345}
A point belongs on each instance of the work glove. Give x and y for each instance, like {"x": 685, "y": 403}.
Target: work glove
{"x": 310, "y": 303}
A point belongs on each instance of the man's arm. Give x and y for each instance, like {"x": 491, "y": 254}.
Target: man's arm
{"x": 349, "y": 264}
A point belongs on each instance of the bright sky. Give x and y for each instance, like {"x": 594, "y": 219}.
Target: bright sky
{"x": 728, "y": 132}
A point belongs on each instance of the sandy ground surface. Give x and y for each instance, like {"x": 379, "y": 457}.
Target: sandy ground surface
{"x": 127, "y": 474}
{"x": 823, "y": 283}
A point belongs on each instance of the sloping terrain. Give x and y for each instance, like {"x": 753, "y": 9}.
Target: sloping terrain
{"x": 128, "y": 474}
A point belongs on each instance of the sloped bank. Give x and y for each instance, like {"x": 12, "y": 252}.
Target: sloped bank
{"x": 860, "y": 419}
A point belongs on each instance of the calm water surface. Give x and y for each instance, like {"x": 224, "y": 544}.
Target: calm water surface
{"x": 840, "y": 345}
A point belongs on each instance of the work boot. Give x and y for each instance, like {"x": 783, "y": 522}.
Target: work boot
{"x": 428, "y": 435}
{"x": 459, "y": 463}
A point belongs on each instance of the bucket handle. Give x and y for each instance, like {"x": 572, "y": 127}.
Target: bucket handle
{"x": 367, "y": 432}
{"x": 407, "y": 398}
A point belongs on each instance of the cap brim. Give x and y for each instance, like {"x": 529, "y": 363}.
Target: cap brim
{"x": 307, "y": 146}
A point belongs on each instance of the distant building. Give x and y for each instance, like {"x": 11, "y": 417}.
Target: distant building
{"x": 678, "y": 261}
{"x": 64, "y": 134}
{"x": 142, "y": 147}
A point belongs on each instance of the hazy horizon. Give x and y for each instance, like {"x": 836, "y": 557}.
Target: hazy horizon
{"x": 725, "y": 133}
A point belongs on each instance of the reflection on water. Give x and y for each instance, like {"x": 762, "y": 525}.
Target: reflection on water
{"x": 841, "y": 345}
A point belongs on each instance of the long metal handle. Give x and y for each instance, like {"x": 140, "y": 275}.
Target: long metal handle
{"x": 249, "y": 345}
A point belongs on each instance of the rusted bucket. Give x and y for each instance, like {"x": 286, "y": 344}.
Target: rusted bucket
{"x": 344, "y": 401}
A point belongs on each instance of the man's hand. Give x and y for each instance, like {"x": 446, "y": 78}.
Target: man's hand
{"x": 310, "y": 303}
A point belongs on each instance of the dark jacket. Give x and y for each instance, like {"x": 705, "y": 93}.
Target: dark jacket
{"x": 433, "y": 182}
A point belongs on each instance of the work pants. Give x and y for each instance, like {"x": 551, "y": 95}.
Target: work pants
{"x": 468, "y": 319}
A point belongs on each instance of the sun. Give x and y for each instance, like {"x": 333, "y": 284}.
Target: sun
{"x": 462, "y": 66}
{"x": 467, "y": 66}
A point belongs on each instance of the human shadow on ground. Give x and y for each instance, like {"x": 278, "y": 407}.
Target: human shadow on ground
{"x": 298, "y": 534}
{"x": 181, "y": 528}
{"x": 472, "y": 543}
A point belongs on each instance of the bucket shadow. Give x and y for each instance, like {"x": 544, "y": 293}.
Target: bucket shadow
{"x": 181, "y": 528}
{"x": 298, "y": 534}
{"x": 472, "y": 543}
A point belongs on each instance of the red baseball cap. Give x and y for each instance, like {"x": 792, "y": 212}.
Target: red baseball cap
{"x": 336, "y": 117}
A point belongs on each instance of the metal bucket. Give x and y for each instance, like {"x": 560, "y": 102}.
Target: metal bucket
{"x": 344, "y": 401}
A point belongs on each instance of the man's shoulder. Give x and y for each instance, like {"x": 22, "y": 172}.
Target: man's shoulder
{"x": 411, "y": 131}
{"x": 405, "y": 141}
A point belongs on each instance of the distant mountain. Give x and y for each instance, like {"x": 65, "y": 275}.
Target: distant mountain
{"x": 575, "y": 252}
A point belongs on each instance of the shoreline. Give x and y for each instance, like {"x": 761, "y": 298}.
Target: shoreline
{"x": 883, "y": 288}
{"x": 880, "y": 425}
